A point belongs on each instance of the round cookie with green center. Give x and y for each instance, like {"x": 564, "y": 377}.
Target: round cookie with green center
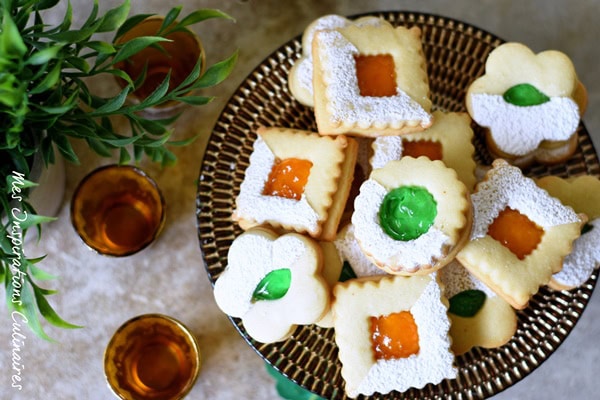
{"x": 412, "y": 216}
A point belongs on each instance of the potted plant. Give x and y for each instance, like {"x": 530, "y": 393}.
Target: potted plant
{"x": 45, "y": 103}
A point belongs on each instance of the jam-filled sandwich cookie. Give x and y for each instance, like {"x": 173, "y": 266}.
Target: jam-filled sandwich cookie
{"x": 350, "y": 252}
{"x": 449, "y": 139}
{"x": 531, "y": 104}
{"x": 392, "y": 334}
{"x": 520, "y": 234}
{"x": 583, "y": 194}
{"x": 297, "y": 180}
{"x": 480, "y": 318}
{"x": 273, "y": 283}
{"x": 370, "y": 80}
{"x": 300, "y": 80}
{"x": 412, "y": 216}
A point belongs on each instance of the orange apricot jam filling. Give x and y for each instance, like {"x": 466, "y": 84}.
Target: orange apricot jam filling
{"x": 376, "y": 75}
{"x": 427, "y": 148}
{"x": 517, "y": 232}
{"x": 288, "y": 178}
{"x": 394, "y": 336}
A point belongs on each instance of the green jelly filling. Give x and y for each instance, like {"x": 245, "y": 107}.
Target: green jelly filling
{"x": 407, "y": 212}
{"x": 274, "y": 285}
{"x": 524, "y": 95}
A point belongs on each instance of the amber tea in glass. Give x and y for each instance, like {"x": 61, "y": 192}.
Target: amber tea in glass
{"x": 117, "y": 210}
{"x": 152, "y": 356}
{"x": 179, "y": 56}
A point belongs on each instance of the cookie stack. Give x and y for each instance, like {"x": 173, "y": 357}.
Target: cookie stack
{"x": 382, "y": 226}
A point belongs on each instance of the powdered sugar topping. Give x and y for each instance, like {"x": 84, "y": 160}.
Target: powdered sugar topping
{"x": 349, "y": 250}
{"x": 251, "y": 202}
{"x": 345, "y": 103}
{"x": 520, "y": 130}
{"x": 506, "y": 186}
{"x": 457, "y": 278}
{"x": 432, "y": 364}
{"x": 585, "y": 257}
{"x": 386, "y": 148}
{"x": 409, "y": 255}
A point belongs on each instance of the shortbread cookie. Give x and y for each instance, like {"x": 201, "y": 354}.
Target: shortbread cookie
{"x": 392, "y": 334}
{"x": 583, "y": 194}
{"x": 297, "y": 180}
{"x": 479, "y": 317}
{"x": 301, "y": 74}
{"x": 349, "y": 251}
{"x": 449, "y": 139}
{"x": 530, "y": 103}
{"x": 412, "y": 216}
{"x": 332, "y": 269}
{"x": 520, "y": 234}
{"x": 370, "y": 81}
{"x": 273, "y": 283}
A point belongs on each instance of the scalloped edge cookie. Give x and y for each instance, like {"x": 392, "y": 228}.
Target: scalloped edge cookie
{"x": 320, "y": 209}
{"x": 353, "y": 306}
{"x": 514, "y": 279}
{"x": 339, "y": 107}
{"x": 450, "y": 129}
{"x": 433, "y": 249}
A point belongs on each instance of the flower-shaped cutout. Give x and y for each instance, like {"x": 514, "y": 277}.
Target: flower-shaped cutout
{"x": 273, "y": 283}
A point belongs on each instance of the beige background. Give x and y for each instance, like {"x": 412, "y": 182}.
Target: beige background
{"x": 169, "y": 277}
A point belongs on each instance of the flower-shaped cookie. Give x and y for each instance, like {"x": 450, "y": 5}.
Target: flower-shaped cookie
{"x": 530, "y": 103}
{"x": 479, "y": 316}
{"x": 583, "y": 194}
{"x": 300, "y": 78}
{"x": 273, "y": 283}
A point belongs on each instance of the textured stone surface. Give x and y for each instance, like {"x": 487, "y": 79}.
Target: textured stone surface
{"x": 168, "y": 277}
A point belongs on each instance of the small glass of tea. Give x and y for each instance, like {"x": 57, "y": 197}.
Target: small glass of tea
{"x": 178, "y": 56}
{"x": 118, "y": 210}
{"x": 152, "y": 356}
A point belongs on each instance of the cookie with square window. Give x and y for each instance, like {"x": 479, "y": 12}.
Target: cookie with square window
{"x": 520, "y": 234}
{"x": 583, "y": 194}
{"x": 392, "y": 334}
{"x": 370, "y": 80}
{"x": 297, "y": 181}
{"x": 449, "y": 139}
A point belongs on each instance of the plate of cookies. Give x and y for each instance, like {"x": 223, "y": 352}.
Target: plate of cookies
{"x": 400, "y": 205}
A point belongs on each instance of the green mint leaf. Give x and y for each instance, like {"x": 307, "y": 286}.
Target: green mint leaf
{"x": 467, "y": 303}
{"x": 347, "y": 272}
{"x": 274, "y": 285}
{"x": 524, "y": 95}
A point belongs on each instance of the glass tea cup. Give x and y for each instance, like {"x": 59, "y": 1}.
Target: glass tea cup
{"x": 118, "y": 210}
{"x": 178, "y": 56}
{"x": 152, "y": 356}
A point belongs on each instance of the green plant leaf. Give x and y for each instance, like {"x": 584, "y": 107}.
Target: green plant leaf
{"x": 44, "y": 55}
{"x": 195, "y": 100}
{"x": 130, "y": 23}
{"x": 27, "y": 310}
{"x": 203, "y": 14}
{"x": 65, "y": 148}
{"x": 11, "y": 42}
{"x": 99, "y": 148}
{"x": 217, "y": 72}
{"x": 467, "y": 303}
{"x": 40, "y": 274}
{"x": 102, "y": 47}
{"x": 33, "y": 219}
{"x": 45, "y": 4}
{"x": 134, "y": 46}
{"x": 169, "y": 18}
{"x": 112, "y": 105}
{"x": 124, "y": 157}
{"x": 48, "y": 312}
{"x": 49, "y": 81}
{"x": 274, "y": 285}
{"x": 115, "y": 17}
{"x": 159, "y": 92}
